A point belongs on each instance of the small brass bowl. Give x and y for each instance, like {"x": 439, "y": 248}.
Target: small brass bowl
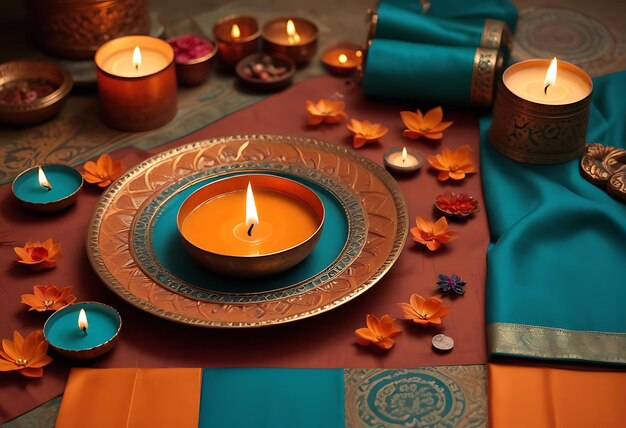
{"x": 41, "y": 109}
{"x": 256, "y": 265}
{"x": 231, "y": 50}
{"x": 195, "y": 71}
{"x": 267, "y": 85}
{"x": 276, "y": 39}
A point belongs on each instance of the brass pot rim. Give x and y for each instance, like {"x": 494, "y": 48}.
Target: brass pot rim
{"x": 313, "y": 236}
{"x": 77, "y": 352}
{"x": 40, "y": 103}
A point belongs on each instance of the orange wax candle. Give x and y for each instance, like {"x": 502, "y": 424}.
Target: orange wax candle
{"x": 219, "y": 224}
{"x": 136, "y": 83}
{"x": 342, "y": 58}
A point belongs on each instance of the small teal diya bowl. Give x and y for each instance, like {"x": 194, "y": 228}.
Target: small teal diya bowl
{"x": 66, "y": 336}
{"x": 56, "y": 189}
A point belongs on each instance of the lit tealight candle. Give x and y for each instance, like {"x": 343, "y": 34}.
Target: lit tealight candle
{"x": 48, "y": 188}
{"x": 66, "y": 330}
{"x": 551, "y": 85}
{"x": 342, "y": 58}
{"x": 136, "y": 83}
{"x": 215, "y": 232}
{"x": 293, "y": 37}
{"x": 403, "y": 161}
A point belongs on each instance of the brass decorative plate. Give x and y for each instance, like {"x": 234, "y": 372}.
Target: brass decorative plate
{"x": 109, "y": 230}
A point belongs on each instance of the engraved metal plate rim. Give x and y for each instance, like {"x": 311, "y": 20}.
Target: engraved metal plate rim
{"x": 351, "y": 217}
{"x": 374, "y": 169}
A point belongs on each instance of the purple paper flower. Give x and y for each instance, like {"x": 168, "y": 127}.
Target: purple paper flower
{"x": 452, "y": 282}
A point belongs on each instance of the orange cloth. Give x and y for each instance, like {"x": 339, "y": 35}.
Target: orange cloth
{"x": 131, "y": 398}
{"x": 541, "y": 397}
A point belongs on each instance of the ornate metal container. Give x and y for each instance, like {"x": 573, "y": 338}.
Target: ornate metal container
{"x": 536, "y": 133}
{"x": 76, "y": 28}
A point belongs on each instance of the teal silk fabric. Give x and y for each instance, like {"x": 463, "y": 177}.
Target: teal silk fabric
{"x": 413, "y": 71}
{"x": 503, "y": 10}
{"x": 396, "y": 23}
{"x": 272, "y": 398}
{"x": 558, "y": 243}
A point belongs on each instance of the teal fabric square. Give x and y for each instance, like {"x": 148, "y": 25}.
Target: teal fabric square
{"x": 272, "y": 398}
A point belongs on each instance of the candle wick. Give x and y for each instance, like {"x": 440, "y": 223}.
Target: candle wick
{"x": 137, "y": 67}
{"x": 545, "y": 90}
{"x": 84, "y": 330}
{"x": 250, "y": 229}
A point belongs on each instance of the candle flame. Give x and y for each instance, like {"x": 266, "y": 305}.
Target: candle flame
{"x": 43, "y": 180}
{"x": 359, "y": 54}
{"x": 252, "y": 218}
{"x": 404, "y": 154}
{"x": 294, "y": 37}
{"x": 137, "y": 57}
{"x": 235, "y": 33}
{"x": 550, "y": 76}
{"x": 342, "y": 59}
{"x": 82, "y": 320}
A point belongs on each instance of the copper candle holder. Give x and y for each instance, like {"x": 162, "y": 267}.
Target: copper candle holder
{"x": 136, "y": 103}
{"x": 232, "y": 47}
{"x": 259, "y": 264}
{"x": 299, "y": 46}
{"x": 533, "y": 132}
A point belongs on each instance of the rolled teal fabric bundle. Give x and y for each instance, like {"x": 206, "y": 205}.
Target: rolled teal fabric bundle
{"x": 396, "y": 23}
{"x": 412, "y": 71}
{"x": 503, "y": 10}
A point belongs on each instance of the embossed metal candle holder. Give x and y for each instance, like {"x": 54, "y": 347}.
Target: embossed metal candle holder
{"x": 289, "y": 224}
{"x": 76, "y": 28}
{"x": 529, "y": 131}
{"x": 299, "y": 46}
{"x": 236, "y": 45}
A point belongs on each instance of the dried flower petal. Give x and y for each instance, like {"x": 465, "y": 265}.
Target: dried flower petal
{"x": 26, "y": 355}
{"x": 450, "y": 283}
{"x": 453, "y": 164}
{"x": 429, "y": 125}
{"x": 378, "y": 332}
{"x": 48, "y": 298}
{"x": 365, "y": 131}
{"x": 433, "y": 235}
{"x": 102, "y": 172}
{"x": 39, "y": 255}
{"x": 456, "y": 204}
{"x": 325, "y": 110}
{"x": 424, "y": 311}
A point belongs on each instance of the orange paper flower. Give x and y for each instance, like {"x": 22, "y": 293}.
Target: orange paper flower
{"x": 27, "y": 356}
{"x": 424, "y": 311}
{"x": 429, "y": 125}
{"x": 453, "y": 164}
{"x": 378, "y": 332}
{"x": 433, "y": 235}
{"x": 102, "y": 172}
{"x": 39, "y": 255}
{"x": 48, "y": 298}
{"x": 325, "y": 110}
{"x": 365, "y": 131}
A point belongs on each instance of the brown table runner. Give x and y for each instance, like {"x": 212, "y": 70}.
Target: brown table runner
{"x": 323, "y": 341}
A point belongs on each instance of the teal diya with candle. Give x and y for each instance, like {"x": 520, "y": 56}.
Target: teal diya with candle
{"x": 48, "y": 188}
{"x": 83, "y": 330}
